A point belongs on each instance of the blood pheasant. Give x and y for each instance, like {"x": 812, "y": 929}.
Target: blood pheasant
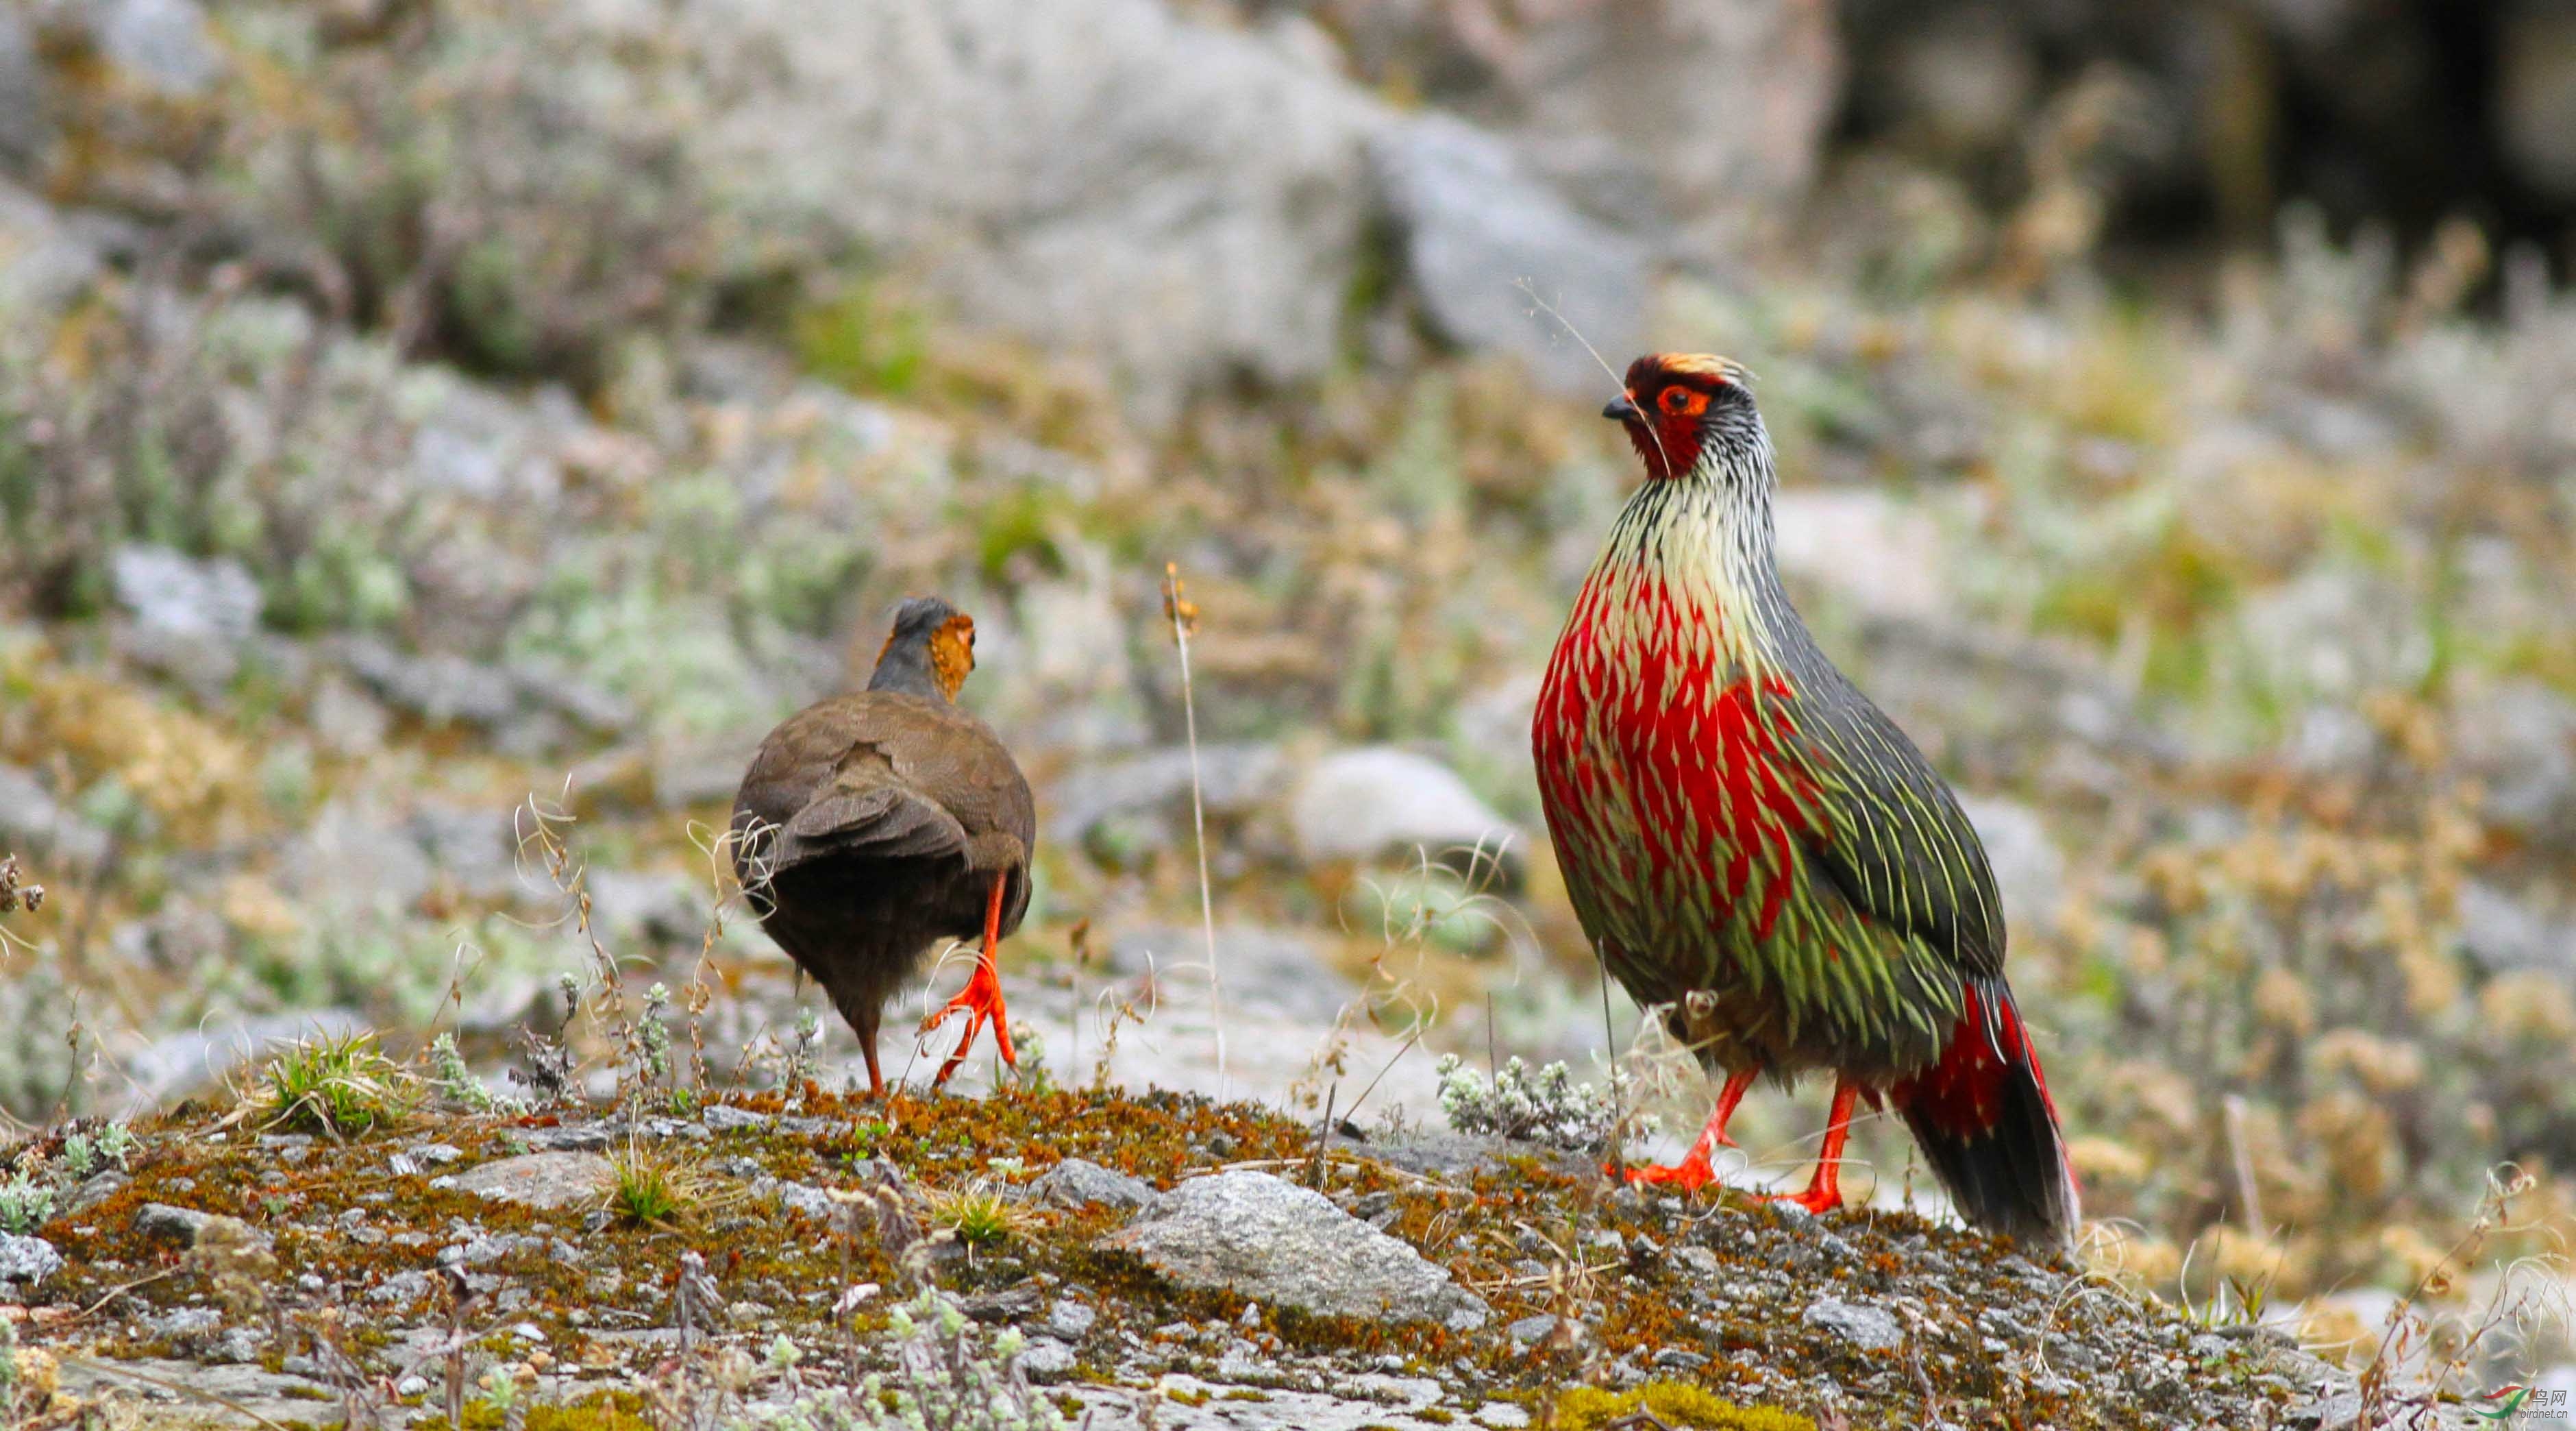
{"x": 872, "y": 826}
{"x": 1757, "y": 849}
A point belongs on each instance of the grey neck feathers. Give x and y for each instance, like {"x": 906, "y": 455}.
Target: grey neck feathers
{"x": 905, "y": 668}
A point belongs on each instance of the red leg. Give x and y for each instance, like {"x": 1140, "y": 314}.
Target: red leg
{"x": 876, "y": 1078}
{"x": 982, "y": 996}
{"x": 1825, "y": 1190}
{"x": 1693, "y": 1171}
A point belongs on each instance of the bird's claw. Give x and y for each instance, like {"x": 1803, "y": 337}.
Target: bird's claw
{"x": 1691, "y": 1174}
{"x": 1817, "y": 1200}
{"x": 982, "y": 1001}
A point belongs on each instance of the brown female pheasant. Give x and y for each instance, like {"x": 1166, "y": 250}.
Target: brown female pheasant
{"x": 871, "y": 827}
{"x": 1756, "y": 849}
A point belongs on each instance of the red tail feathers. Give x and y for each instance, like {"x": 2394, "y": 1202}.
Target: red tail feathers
{"x": 1985, "y": 1121}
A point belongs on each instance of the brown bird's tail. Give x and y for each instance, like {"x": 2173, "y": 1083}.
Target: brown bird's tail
{"x": 1984, "y": 1119}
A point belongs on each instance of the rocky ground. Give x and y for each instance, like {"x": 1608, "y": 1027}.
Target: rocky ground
{"x": 438, "y": 438}
{"x": 1164, "y": 1261}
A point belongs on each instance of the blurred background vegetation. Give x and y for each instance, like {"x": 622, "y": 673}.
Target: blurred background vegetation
{"x": 407, "y": 406}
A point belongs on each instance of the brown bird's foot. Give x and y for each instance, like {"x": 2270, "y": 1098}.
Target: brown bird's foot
{"x": 981, "y": 998}
{"x": 1825, "y": 1190}
{"x": 1691, "y": 1174}
{"x": 1694, "y": 1171}
{"x": 982, "y": 1001}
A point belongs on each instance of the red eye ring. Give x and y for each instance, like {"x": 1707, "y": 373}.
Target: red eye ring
{"x": 1679, "y": 401}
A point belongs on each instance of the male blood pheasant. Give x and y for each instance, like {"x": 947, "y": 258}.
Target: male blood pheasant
{"x": 1756, "y": 848}
{"x": 872, "y": 826}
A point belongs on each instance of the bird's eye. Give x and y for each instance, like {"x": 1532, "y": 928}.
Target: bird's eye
{"x": 1680, "y": 401}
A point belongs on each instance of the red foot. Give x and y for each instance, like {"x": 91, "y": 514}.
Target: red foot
{"x": 1691, "y": 1174}
{"x": 1821, "y": 1196}
{"x": 981, "y": 998}
{"x": 982, "y": 1001}
{"x": 1825, "y": 1190}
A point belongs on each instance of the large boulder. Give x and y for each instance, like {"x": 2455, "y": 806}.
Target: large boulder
{"x": 1188, "y": 201}
{"x": 1711, "y": 113}
{"x": 1486, "y": 239}
{"x": 1381, "y": 800}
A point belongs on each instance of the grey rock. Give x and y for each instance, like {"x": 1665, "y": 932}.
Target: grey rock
{"x": 165, "y": 43}
{"x": 1234, "y": 780}
{"x": 26, "y": 1261}
{"x": 97, "y": 1188}
{"x": 1476, "y": 221}
{"x": 550, "y": 685}
{"x": 438, "y": 687}
{"x": 1379, "y": 800}
{"x": 571, "y": 1137}
{"x": 1628, "y": 77}
{"x": 2331, "y": 739}
{"x": 134, "y": 1391}
{"x": 355, "y": 857}
{"x": 725, "y": 1118}
{"x": 235, "y": 1344}
{"x": 628, "y": 905}
{"x": 1045, "y": 1360}
{"x": 172, "y": 594}
{"x": 184, "y": 1323}
{"x": 2029, "y": 868}
{"x": 34, "y": 823}
{"x": 1079, "y": 1182}
{"x": 474, "y": 845}
{"x": 1278, "y": 969}
{"x": 700, "y": 772}
{"x": 1869, "y": 1328}
{"x": 2521, "y": 740}
{"x": 1184, "y": 200}
{"x": 804, "y": 1198}
{"x": 345, "y": 719}
{"x": 539, "y": 1179}
{"x": 2503, "y": 933}
{"x": 1530, "y": 1331}
{"x": 1462, "y": 1155}
{"x": 1287, "y": 1246}
{"x": 46, "y": 263}
{"x": 181, "y": 1224}
{"x": 1070, "y": 1319}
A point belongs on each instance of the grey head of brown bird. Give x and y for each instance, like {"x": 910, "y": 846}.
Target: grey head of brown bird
{"x": 929, "y": 652}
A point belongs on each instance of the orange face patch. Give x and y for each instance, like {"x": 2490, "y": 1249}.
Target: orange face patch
{"x": 952, "y": 653}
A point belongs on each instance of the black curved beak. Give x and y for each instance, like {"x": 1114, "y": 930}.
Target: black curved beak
{"x": 1621, "y": 409}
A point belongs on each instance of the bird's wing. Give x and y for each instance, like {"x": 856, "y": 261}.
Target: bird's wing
{"x": 874, "y": 819}
{"x": 824, "y": 785}
{"x": 1893, "y": 840}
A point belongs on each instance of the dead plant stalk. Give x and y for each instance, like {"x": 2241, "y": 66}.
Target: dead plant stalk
{"x": 1184, "y": 616}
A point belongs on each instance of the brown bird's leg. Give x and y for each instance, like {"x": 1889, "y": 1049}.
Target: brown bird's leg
{"x": 982, "y": 996}
{"x": 1825, "y": 1190}
{"x": 868, "y": 1047}
{"x": 1693, "y": 1171}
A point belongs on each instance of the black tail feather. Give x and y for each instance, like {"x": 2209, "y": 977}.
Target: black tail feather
{"x": 1984, "y": 1120}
